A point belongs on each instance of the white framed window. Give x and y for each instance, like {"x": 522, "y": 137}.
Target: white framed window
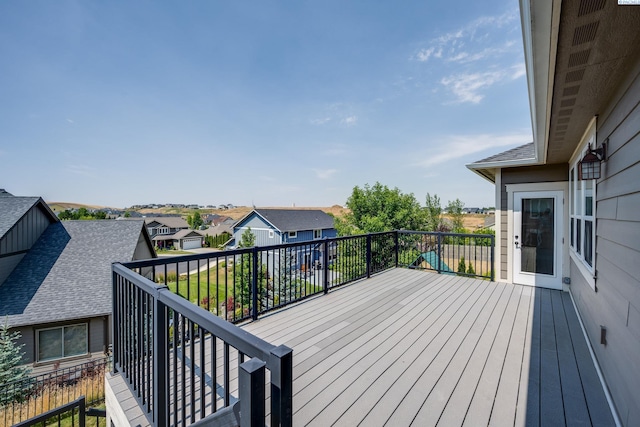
{"x": 62, "y": 342}
{"x": 293, "y": 234}
{"x": 271, "y": 234}
{"x": 582, "y": 207}
{"x": 317, "y": 234}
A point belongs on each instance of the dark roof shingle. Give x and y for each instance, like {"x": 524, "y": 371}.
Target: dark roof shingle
{"x": 523, "y": 152}
{"x": 67, "y": 273}
{"x": 297, "y": 219}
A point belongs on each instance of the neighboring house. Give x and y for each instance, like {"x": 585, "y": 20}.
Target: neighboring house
{"x": 276, "y": 226}
{"x": 554, "y": 229}
{"x": 164, "y": 232}
{"x": 58, "y": 294}
{"x": 186, "y": 239}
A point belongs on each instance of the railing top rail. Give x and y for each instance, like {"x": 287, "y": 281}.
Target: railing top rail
{"x": 231, "y": 252}
{"x": 448, "y": 234}
{"x": 228, "y": 332}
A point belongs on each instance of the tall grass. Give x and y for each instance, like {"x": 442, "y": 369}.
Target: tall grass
{"x": 56, "y": 391}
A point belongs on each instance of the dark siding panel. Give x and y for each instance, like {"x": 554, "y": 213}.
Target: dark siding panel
{"x": 96, "y": 335}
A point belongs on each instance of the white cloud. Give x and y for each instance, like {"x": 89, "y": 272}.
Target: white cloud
{"x": 70, "y": 121}
{"x": 473, "y": 37}
{"x": 349, "y": 121}
{"x": 325, "y": 173}
{"x": 467, "y": 86}
{"x": 456, "y": 146}
{"x": 80, "y": 170}
{"x": 321, "y": 121}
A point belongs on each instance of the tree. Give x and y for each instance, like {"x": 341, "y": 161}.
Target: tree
{"x": 248, "y": 240}
{"x": 379, "y": 208}
{"x": 433, "y": 213}
{"x": 195, "y": 220}
{"x": 462, "y": 265}
{"x": 127, "y": 214}
{"x": 454, "y": 209}
{"x": 10, "y": 360}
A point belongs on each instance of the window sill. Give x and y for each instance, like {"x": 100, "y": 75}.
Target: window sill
{"x": 586, "y": 273}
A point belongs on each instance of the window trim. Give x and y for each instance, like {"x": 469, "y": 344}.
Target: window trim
{"x": 37, "y": 359}
{"x": 292, "y": 234}
{"x": 578, "y": 195}
{"x": 317, "y": 234}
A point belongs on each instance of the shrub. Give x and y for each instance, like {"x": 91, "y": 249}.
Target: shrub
{"x": 470, "y": 270}
{"x": 462, "y": 266}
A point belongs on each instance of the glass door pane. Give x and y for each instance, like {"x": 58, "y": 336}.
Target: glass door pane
{"x": 538, "y": 232}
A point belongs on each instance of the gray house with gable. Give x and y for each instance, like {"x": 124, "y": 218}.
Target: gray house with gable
{"x": 281, "y": 226}
{"x": 55, "y": 280}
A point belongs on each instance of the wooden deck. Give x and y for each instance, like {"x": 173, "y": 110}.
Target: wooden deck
{"x": 416, "y": 348}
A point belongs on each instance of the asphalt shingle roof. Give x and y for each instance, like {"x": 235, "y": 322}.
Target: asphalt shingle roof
{"x": 67, "y": 273}
{"x": 168, "y": 221}
{"x": 523, "y": 152}
{"x": 297, "y": 219}
{"x": 12, "y": 209}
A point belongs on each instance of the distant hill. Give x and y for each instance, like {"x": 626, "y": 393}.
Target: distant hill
{"x": 235, "y": 213}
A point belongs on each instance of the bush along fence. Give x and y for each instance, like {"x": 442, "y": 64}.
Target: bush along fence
{"x": 25, "y": 399}
{"x": 241, "y": 284}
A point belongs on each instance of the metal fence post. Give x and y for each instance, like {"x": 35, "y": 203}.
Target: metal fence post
{"x": 115, "y": 348}
{"x": 282, "y": 387}
{"x": 492, "y": 263}
{"x": 439, "y": 253}
{"x": 325, "y": 266}
{"x": 160, "y": 408}
{"x": 252, "y": 394}
{"x": 396, "y": 246}
{"x": 368, "y": 255}
{"x": 254, "y": 283}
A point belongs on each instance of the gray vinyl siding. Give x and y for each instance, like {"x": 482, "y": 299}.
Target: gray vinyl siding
{"x": 142, "y": 249}
{"x": 523, "y": 175}
{"x": 616, "y": 304}
{"x": 98, "y": 341}
{"x": 260, "y": 229}
{"x": 20, "y": 238}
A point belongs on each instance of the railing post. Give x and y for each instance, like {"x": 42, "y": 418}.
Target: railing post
{"x": 396, "y": 246}
{"x": 439, "y": 253}
{"x": 82, "y": 409}
{"x": 368, "y": 255}
{"x": 282, "y": 387}
{"x": 115, "y": 336}
{"x": 325, "y": 266}
{"x": 252, "y": 394}
{"x": 160, "y": 408}
{"x": 254, "y": 283}
{"x": 492, "y": 263}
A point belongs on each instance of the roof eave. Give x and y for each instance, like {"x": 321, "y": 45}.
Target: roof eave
{"x": 540, "y": 48}
{"x": 487, "y": 170}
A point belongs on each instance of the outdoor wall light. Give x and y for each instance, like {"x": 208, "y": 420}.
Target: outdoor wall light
{"x": 589, "y": 167}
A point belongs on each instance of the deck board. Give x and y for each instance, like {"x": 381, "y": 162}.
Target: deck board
{"x": 409, "y": 347}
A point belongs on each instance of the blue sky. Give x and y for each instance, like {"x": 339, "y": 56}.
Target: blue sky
{"x": 271, "y": 103}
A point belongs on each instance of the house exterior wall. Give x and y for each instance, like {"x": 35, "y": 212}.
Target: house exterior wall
{"x": 522, "y": 175}
{"x": 260, "y": 229}
{"x": 20, "y": 238}
{"x": 97, "y": 334}
{"x": 142, "y": 249}
{"x": 615, "y": 304}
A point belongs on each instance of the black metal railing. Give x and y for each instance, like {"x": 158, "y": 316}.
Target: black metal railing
{"x": 29, "y": 397}
{"x": 73, "y": 413}
{"x": 177, "y": 352}
{"x": 185, "y": 365}
{"x": 470, "y": 255}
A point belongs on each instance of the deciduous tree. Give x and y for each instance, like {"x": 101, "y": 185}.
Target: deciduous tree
{"x": 378, "y": 208}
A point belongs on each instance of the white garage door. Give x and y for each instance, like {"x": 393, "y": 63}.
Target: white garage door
{"x": 191, "y": 243}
